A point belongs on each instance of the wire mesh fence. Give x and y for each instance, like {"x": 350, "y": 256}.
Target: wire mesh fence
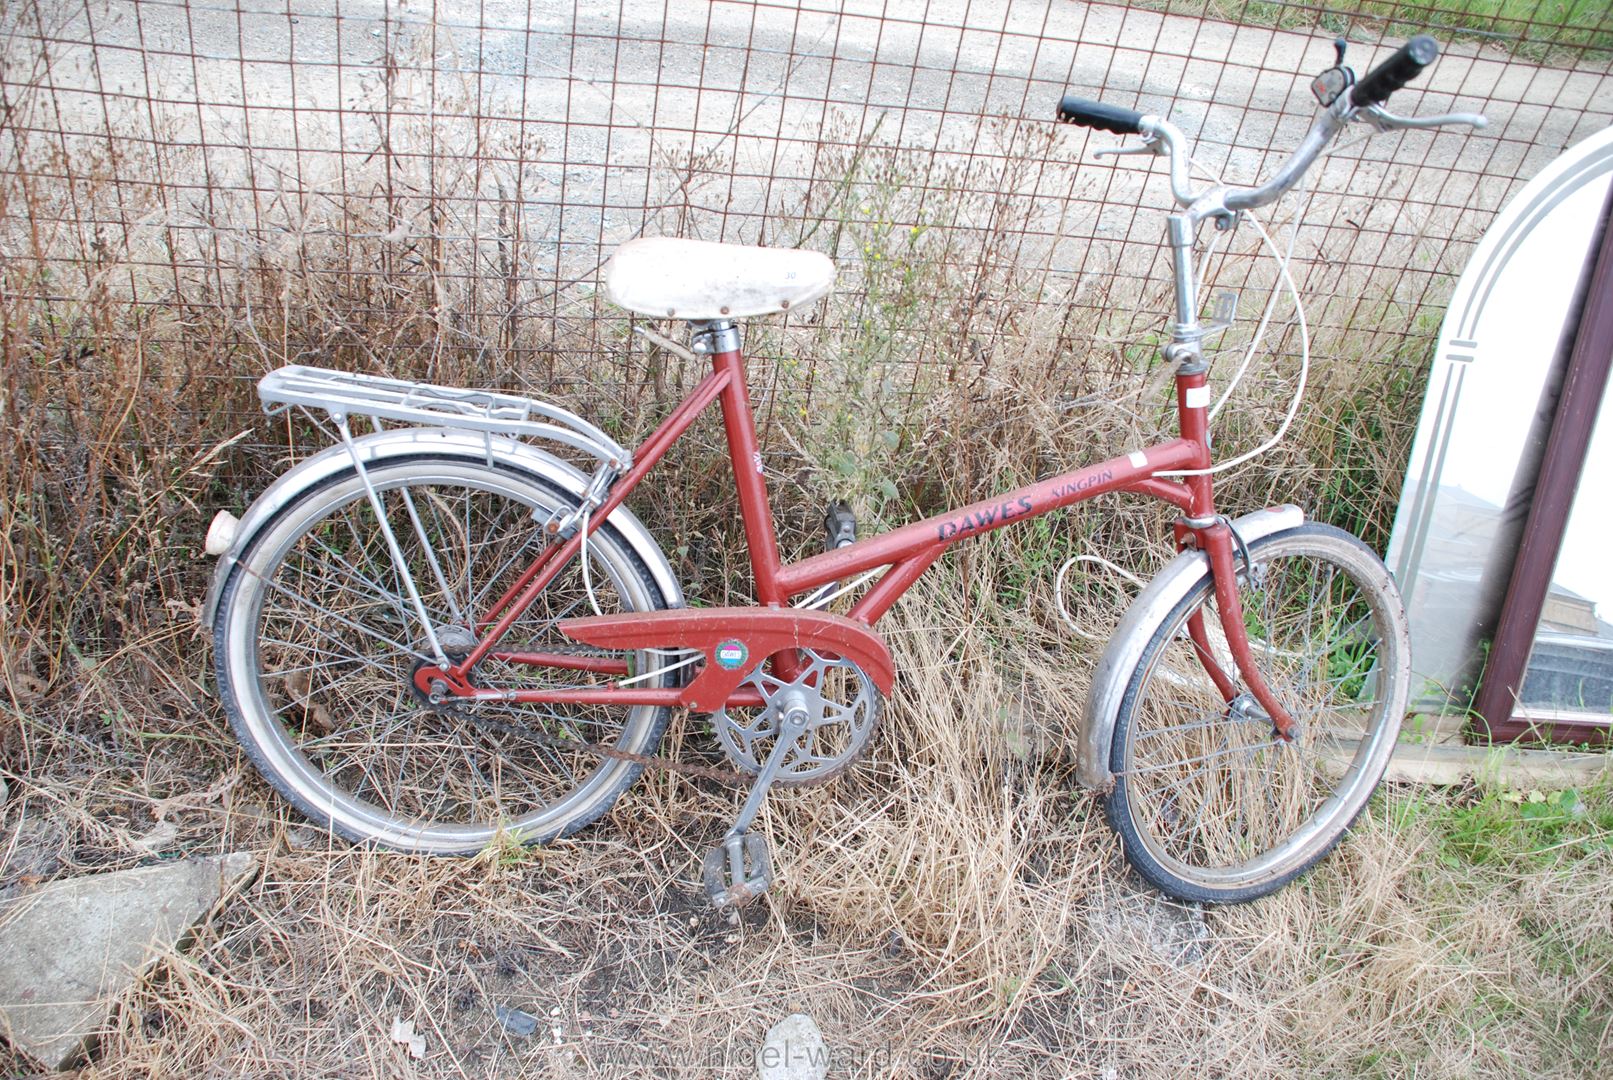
{"x": 417, "y": 187}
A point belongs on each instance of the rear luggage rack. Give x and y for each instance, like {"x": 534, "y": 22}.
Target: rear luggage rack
{"x": 341, "y": 393}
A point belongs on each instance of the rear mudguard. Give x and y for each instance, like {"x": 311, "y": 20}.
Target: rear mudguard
{"x": 412, "y": 442}
{"x": 1142, "y": 620}
{"x": 735, "y": 641}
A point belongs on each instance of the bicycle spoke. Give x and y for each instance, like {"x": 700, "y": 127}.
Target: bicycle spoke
{"x": 1203, "y": 757}
{"x": 362, "y": 540}
{"x": 397, "y": 602}
{"x": 1176, "y": 729}
{"x": 339, "y": 658}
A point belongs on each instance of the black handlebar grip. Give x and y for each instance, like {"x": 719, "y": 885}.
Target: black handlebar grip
{"x": 1095, "y": 114}
{"x": 1405, "y": 65}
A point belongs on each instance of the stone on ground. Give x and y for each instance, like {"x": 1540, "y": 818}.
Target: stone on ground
{"x": 793, "y": 1050}
{"x": 68, "y": 949}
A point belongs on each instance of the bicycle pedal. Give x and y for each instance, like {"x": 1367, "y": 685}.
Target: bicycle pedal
{"x": 839, "y": 526}
{"x": 738, "y": 870}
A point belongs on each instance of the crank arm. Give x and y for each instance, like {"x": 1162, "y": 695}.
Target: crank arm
{"x": 728, "y": 881}
{"x": 791, "y": 727}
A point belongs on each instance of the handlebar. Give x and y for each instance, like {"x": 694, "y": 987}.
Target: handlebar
{"x": 1095, "y": 114}
{"x": 1404, "y": 65}
{"x": 1363, "y": 102}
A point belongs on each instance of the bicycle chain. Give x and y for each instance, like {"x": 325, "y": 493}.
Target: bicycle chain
{"x": 729, "y": 777}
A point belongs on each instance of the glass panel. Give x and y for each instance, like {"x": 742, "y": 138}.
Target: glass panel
{"x": 1571, "y": 668}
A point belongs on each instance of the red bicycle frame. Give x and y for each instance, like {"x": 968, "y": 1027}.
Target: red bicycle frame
{"x": 907, "y": 551}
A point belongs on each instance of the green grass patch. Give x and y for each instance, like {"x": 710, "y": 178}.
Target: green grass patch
{"x": 1531, "y": 28}
{"x": 1517, "y": 829}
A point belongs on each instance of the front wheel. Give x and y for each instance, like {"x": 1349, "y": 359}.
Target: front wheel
{"x": 1210, "y": 805}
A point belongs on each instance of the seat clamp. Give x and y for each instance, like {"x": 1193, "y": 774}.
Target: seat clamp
{"x": 714, "y": 336}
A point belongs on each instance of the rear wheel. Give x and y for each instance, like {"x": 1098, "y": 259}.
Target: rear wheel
{"x": 1210, "y": 805}
{"x": 316, "y": 640}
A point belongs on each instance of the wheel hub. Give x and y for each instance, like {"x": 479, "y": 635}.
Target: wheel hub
{"x": 426, "y": 679}
{"x": 1245, "y": 709}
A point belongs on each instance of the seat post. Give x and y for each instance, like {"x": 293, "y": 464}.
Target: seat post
{"x": 719, "y": 338}
{"x": 713, "y": 336}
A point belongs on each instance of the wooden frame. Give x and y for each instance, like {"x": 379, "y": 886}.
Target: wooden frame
{"x": 1584, "y": 388}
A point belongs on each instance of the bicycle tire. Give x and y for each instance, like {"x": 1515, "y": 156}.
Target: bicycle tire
{"x": 283, "y": 715}
{"x": 1189, "y": 820}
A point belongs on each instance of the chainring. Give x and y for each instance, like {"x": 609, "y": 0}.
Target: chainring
{"x": 843, "y": 707}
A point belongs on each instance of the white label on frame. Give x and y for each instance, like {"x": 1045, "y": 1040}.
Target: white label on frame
{"x": 1139, "y": 460}
{"x": 1197, "y": 397}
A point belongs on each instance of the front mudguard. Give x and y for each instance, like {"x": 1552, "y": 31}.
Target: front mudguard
{"x": 1142, "y": 620}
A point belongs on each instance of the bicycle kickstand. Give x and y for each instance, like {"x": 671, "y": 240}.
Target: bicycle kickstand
{"x": 739, "y": 868}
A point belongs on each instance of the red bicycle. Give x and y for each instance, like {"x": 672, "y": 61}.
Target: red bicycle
{"x": 433, "y": 636}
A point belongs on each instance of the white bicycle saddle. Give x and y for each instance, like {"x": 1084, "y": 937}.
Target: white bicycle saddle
{"x": 698, "y": 280}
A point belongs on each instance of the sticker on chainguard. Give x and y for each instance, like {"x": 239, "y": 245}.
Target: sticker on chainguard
{"x": 731, "y": 654}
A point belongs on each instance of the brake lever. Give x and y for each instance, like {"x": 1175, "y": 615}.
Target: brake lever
{"x": 1147, "y": 146}
{"x": 1384, "y": 120}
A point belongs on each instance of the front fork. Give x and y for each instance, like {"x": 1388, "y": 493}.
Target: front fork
{"x": 1217, "y": 542}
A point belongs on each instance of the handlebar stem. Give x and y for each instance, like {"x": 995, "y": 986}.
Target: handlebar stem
{"x": 1185, "y": 331}
{"x": 1223, "y": 202}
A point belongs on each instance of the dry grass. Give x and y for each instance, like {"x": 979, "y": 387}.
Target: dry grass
{"x": 955, "y": 902}
{"x": 954, "y": 907}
